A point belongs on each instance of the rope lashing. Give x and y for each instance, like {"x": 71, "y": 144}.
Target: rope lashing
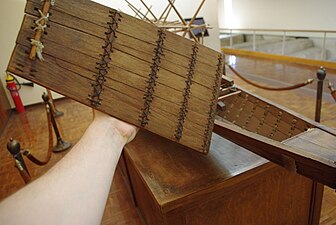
{"x": 332, "y": 90}
{"x": 52, "y": 2}
{"x": 41, "y": 24}
{"x": 292, "y": 87}
{"x": 44, "y": 18}
{"x": 39, "y": 48}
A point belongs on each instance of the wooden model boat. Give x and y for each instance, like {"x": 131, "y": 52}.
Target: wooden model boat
{"x": 162, "y": 82}
{"x": 123, "y": 66}
{"x": 278, "y": 134}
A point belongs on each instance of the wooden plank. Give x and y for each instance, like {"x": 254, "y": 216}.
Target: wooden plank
{"x": 315, "y": 141}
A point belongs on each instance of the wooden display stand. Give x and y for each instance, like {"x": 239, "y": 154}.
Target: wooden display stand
{"x": 231, "y": 185}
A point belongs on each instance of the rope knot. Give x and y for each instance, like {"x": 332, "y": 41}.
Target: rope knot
{"x": 38, "y": 22}
{"x": 39, "y": 48}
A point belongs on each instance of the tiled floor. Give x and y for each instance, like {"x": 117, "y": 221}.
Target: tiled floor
{"x": 30, "y": 129}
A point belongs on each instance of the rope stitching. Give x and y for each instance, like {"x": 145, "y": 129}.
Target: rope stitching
{"x": 155, "y": 67}
{"x": 186, "y": 95}
{"x": 103, "y": 66}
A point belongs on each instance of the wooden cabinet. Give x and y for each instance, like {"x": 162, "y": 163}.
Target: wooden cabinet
{"x": 176, "y": 186}
{"x": 4, "y": 108}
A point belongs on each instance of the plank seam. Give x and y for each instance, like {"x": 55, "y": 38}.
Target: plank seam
{"x": 103, "y": 65}
{"x": 263, "y": 118}
{"x": 186, "y": 96}
{"x": 155, "y": 67}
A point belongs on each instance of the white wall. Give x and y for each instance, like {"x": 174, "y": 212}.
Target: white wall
{"x": 12, "y": 11}
{"x": 221, "y": 13}
{"x": 281, "y": 14}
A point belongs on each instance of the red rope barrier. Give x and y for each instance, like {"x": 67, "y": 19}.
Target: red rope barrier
{"x": 270, "y": 88}
{"x": 50, "y": 146}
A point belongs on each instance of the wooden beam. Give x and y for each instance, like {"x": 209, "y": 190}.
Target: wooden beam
{"x": 292, "y": 158}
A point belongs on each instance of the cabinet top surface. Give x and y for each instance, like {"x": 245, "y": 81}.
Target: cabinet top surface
{"x": 172, "y": 171}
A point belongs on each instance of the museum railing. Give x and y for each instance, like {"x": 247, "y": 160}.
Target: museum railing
{"x": 308, "y": 47}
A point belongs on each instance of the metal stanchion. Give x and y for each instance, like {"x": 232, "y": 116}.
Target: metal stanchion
{"x": 321, "y": 75}
{"x": 14, "y": 148}
{"x": 61, "y": 144}
{"x": 317, "y": 188}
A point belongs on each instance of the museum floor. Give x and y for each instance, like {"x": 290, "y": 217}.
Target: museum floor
{"x": 30, "y": 129}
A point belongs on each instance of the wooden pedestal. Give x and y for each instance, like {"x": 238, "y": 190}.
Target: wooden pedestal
{"x": 176, "y": 186}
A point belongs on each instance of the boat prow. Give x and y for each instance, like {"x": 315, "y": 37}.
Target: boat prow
{"x": 277, "y": 134}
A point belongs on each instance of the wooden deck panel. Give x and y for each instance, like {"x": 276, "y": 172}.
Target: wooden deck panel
{"x": 156, "y": 76}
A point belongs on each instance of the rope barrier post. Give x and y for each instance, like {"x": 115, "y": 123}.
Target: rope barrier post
{"x": 14, "y": 148}
{"x": 54, "y": 110}
{"x": 321, "y": 75}
{"x": 317, "y": 188}
{"x": 61, "y": 144}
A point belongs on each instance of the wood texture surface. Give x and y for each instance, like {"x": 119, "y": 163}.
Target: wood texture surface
{"x": 4, "y": 108}
{"x": 124, "y": 67}
{"x": 174, "y": 186}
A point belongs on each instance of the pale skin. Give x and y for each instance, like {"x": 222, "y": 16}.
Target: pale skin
{"x": 75, "y": 190}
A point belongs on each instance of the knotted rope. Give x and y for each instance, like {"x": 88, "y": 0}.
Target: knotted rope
{"x": 41, "y": 24}
{"x": 39, "y": 48}
{"x": 292, "y": 87}
{"x": 43, "y": 18}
